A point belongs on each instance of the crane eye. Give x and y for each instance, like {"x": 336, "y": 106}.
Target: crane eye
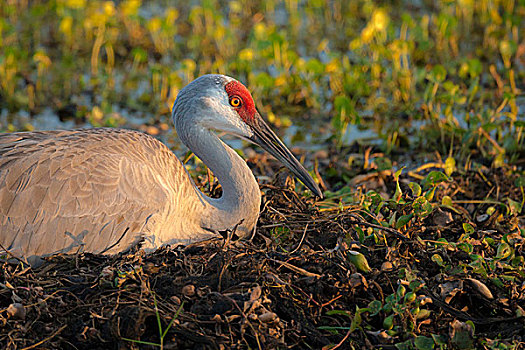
{"x": 235, "y": 101}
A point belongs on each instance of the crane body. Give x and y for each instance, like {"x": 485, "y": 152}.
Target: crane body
{"x": 106, "y": 190}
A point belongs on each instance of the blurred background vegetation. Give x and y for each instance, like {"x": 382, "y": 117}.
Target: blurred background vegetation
{"x": 360, "y": 85}
{"x": 407, "y": 76}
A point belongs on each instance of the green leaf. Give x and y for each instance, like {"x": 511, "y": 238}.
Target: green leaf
{"x": 514, "y": 208}
{"x": 438, "y": 260}
{"x": 462, "y": 337}
{"x": 400, "y": 292}
{"x": 474, "y": 67}
{"x": 446, "y": 201}
{"x": 387, "y": 308}
{"x": 443, "y": 241}
{"x": 339, "y": 312}
{"x": 416, "y": 189}
{"x": 264, "y": 80}
{"x": 422, "y": 314}
{"x": 422, "y": 207}
{"x": 344, "y": 112}
{"x": 139, "y": 55}
{"x": 423, "y": 343}
{"x": 398, "y": 194}
{"x": 450, "y": 87}
{"x": 141, "y": 342}
{"x": 315, "y": 66}
{"x": 468, "y": 228}
{"x": 439, "y": 339}
{"x": 179, "y": 310}
{"x": 375, "y": 307}
{"x": 360, "y": 234}
{"x": 410, "y": 297}
{"x": 450, "y": 166}
{"x": 383, "y": 163}
{"x": 356, "y": 321}
{"x": 471, "y": 324}
{"x": 393, "y": 220}
{"x": 358, "y": 260}
{"x": 406, "y": 345}
{"x": 504, "y": 251}
{"x": 499, "y": 160}
{"x": 429, "y": 195}
{"x": 388, "y": 322}
{"x": 507, "y": 48}
{"x": 438, "y": 74}
{"x": 466, "y": 247}
{"x": 398, "y": 173}
{"x": 434, "y": 178}
{"x": 403, "y": 220}
{"x": 415, "y": 285}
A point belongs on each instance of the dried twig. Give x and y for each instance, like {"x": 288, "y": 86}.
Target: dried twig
{"x": 295, "y": 268}
{"x": 46, "y": 339}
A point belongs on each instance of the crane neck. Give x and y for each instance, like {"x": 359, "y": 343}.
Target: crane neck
{"x": 241, "y": 197}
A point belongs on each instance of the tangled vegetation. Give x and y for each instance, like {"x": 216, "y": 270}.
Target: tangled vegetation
{"x": 410, "y": 113}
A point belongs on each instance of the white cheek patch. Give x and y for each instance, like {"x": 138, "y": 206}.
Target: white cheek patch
{"x": 219, "y": 116}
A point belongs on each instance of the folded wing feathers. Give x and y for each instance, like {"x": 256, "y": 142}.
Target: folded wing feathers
{"x": 56, "y": 185}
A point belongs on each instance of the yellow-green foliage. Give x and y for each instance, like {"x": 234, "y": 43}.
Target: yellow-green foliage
{"x": 455, "y": 65}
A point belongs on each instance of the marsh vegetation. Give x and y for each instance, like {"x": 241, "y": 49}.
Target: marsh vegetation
{"x": 410, "y": 114}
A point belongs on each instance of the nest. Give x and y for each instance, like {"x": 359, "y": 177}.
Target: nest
{"x": 291, "y": 286}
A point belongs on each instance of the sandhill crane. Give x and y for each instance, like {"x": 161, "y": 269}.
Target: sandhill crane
{"x": 106, "y": 190}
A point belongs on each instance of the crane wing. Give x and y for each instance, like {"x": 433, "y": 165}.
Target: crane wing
{"x": 67, "y": 191}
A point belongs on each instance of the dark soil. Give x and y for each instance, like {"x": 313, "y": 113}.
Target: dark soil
{"x": 277, "y": 289}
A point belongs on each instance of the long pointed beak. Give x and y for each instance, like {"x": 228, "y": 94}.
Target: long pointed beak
{"x": 266, "y": 138}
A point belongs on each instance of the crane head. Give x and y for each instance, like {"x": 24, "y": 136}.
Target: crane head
{"x": 224, "y": 104}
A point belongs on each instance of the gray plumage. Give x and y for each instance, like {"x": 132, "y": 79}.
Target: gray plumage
{"x": 105, "y": 190}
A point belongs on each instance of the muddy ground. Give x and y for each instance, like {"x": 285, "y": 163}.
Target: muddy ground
{"x": 293, "y": 285}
